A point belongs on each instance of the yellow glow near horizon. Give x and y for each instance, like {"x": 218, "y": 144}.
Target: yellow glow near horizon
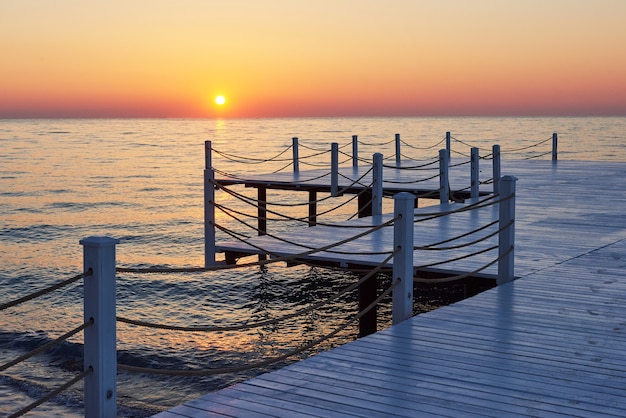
{"x": 61, "y": 59}
{"x": 220, "y": 100}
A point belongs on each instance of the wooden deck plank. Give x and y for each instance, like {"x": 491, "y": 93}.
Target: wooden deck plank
{"x": 551, "y": 343}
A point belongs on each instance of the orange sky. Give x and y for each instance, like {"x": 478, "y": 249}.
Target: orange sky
{"x": 157, "y": 58}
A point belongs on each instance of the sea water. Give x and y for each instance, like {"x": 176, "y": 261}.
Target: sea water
{"x": 141, "y": 181}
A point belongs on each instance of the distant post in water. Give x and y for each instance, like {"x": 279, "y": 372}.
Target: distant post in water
{"x": 398, "y": 156}
{"x": 506, "y": 237}
{"x": 355, "y": 151}
{"x": 402, "y": 296}
{"x": 495, "y": 153}
{"x": 475, "y": 173}
{"x": 209, "y": 207}
{"x": 100, "y": 338}
{"x": 334, "y": 169}
{"x": 296, "y": 156}
{"x": 555, "y": 140}
{"x": 444, "y": 183}
{"x": 448, "y": 145}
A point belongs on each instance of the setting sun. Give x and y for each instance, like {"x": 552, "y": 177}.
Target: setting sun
{"x": 220, "y": 100}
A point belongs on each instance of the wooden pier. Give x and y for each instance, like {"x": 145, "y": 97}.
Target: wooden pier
{"x": 550, "y": 343}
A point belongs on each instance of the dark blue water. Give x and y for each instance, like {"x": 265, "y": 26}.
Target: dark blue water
{"x": 140, "y": 181}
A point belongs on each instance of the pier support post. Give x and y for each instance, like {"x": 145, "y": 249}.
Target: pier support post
{"x": 100, "y": 338}
{"x": 475, "y": 173}
{"x": 355, "y": 151}
{"x": 262, "y": 214}
{"x": 377, "y": 184}
{"x": 334, "y": 169}
{"x": 506, "y": 237}
{"x": 209, "y": 207}
{"x": 555, "y": 140}
{"x": 312, "y": 207}
{"x": 448, "y": 145}
{"x": 444, "y": 183}
{"x": 296, "y": 155}
{"x": 367, "y": 294}
{"x": 402, "y": 296}
{"x": 398, "y": 155}
{"x": 495, "y": 160}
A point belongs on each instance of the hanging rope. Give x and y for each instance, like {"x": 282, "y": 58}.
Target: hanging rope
{"x": 464, "y": 275}
{"x": 263, "y": 363}
{"x": 423, "y": 148}
{"x": 53, "y": 393}
{"x": 44, "y": 291}
{"x": 250, "y": 160}
{"x": 258, "y": 324}
{"x": 46, "y": 346}
{"x": 430, "y": 246}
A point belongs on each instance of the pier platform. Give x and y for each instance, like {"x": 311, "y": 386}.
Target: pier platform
{"x": 550, "y": 343}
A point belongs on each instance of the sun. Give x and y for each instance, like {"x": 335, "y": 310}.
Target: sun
{"x": 220, "y": 100}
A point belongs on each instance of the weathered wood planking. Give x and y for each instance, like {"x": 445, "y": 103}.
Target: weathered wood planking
{"x": 551, "y": 343}
{"x": 563, "y": 209}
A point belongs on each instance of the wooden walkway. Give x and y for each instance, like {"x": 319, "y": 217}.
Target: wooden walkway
{"x": 551, "y": 343}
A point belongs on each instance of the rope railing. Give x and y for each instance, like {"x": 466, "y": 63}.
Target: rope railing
{"x": 435, "y": 246}
{"x": 514, "y": 150}
{"x": 247, "y": 326}
{"x": 281, "y": 216}
{"x": 276, "y": 259}
{"x": 425, "y": 166}
{"x": 463, "y": 275}
{"x": 266, "y": 362}
{"x": 40, "y": 350}
{"x": 53, "y": 393}
{"x": 44, "y": 291}
{"x": 538, "y": 155}
{"x": 250, "y": 160}
{"x": 423, "y": 148}
{"x": 379, "y": 144}
{"x": 46, "y": 346}
{"x": 412, "y": 181}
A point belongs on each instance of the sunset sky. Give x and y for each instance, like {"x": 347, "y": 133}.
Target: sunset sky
{"x": 274, "y": 58}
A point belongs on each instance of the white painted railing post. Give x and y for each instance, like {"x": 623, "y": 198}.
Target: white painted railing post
{"x": 444, "y": 183}
{"x": 377, "y": 184}
{"x": 296, "y": 156}
{"x": 506, "y": 237}
{"x": 495, "y": 153}
{"x": 555, "y": 140}
{"x": 402, "y": 296}
{"x": 355, "y": 151}
{"x": 448, "y": 145}
{"x": 334, "y": 169}
{"x": 209, "y": 207}
{"x": 100, "y": 338}
{"x": 475, "y": 173}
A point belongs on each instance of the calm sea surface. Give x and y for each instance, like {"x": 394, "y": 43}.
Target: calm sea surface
{"x": 141, "y": 181}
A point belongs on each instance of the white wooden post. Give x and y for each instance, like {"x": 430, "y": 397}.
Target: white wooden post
{"x": 495, "y": 153}
{"x": 448, "y": 146}
{"x": 377, "y": 184}
{"x": 100, "y": 338}
{"x": 334, "y": 169}
{"x": 506, "y": 237}
{"x": 444, "y": 183}
{"x": 296, "y": 156}
{"x": 209, "y": 207}
{"x": 355, "y": 151}
{"x": 555, "y": 141}
{"x": 475, "y": 173}
{"x": 402, "y": 296}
